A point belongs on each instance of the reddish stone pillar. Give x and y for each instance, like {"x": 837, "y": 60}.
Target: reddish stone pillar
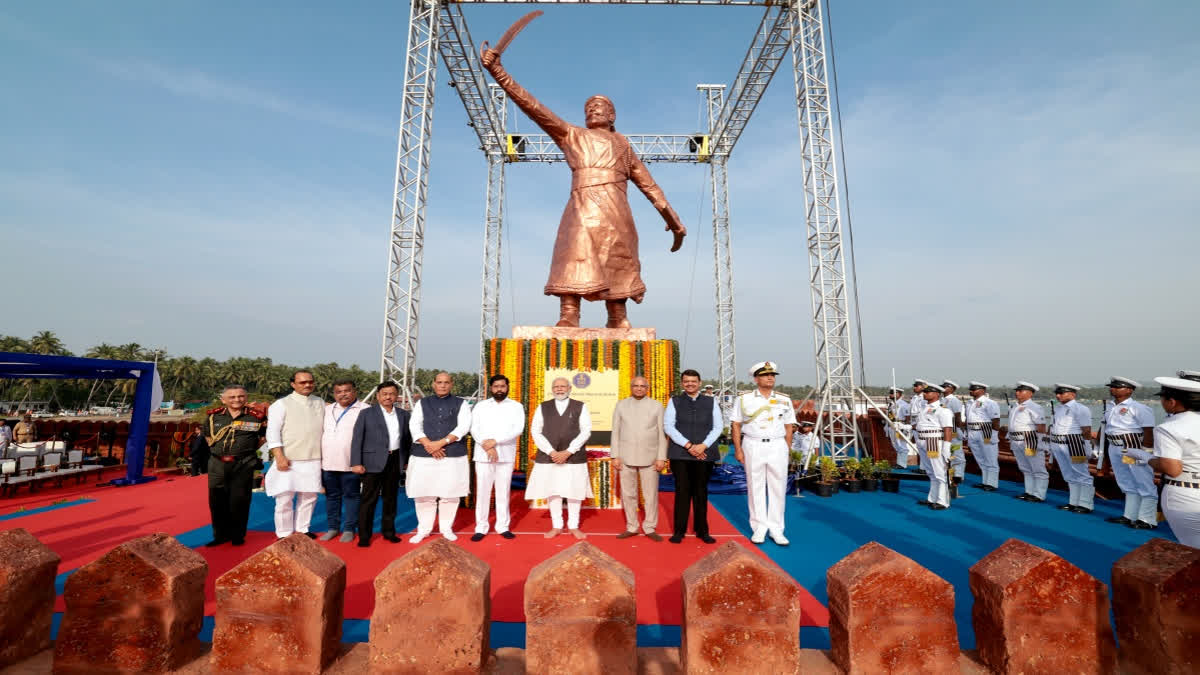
{"x": 280, "y": 611}
{"x": 1156, "y": 601}
{"x": 580, "y": 614}
{"x": 27, "y": 571}
{"x": 887, "y": 614}
{"x": 137, "y": 609}
{"x": 1037, "y": 613}
{"x": 741, "y": 614}
{"x": 433, "y": 612}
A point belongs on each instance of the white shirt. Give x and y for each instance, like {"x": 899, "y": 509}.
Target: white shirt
{"x": 776, "y": 412}
{"x": 1025, "y": 416}
{"x": 915, "y": 404}
{"x": 934, "y": 416}
{"x": 543, "y": 444}
{"x": 1178, "y": 437}
{"x": 982, "y": 409}
{"x": 953, "y": 403}
{"x": 1127, "y": 417}
{"x": 803, "y": 442}
{"x": 416, "y": 424}
{"x": 1070, "y": 418}
{"x": 502, "y": 422}
{"x": 899, "y": 409}
{"x": 337, "y": 435}
{"x": 393, "y": 426}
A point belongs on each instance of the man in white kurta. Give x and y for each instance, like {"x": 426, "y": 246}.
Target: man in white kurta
{"x": 560, "y": 469}
{"x": 438, "y": 473}
{"x": 496, "y": 424}
{"x": 294, "y": 427}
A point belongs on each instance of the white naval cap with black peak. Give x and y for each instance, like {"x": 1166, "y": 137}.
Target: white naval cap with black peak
{"x": 1060, "y": 388}
{"x": 1115, "y": 382}
{"x": 949, "y": 383}
{"x": 1022, "y": 384}
{"x": 976, "y": 385}
{"x": 763, "y": 368}
{"x": 935, "y": 387}
{"x": 1178, "y": 384}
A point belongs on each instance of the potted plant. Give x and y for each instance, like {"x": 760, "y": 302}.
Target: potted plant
{"x": 883, "y": 471}
{"x": 866, "y": 469}
{"x": 828, "y": 483}
{"x": 850, "y": 480}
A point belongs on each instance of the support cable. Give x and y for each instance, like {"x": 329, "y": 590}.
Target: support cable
{"x": 837, "y": 105}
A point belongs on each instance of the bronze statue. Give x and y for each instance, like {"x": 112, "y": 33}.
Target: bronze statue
{"x": 596, "y": 250}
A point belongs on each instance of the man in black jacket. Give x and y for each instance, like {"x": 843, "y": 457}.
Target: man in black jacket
{"x": 378, "y": 451}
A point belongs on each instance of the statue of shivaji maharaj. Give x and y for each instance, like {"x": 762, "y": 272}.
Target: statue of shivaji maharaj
{"x": 596, "y": 249}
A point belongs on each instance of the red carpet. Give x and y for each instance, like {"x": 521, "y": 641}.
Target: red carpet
{"x": 178, "y": 506}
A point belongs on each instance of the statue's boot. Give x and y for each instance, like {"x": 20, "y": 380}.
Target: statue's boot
{"x": 568, "y": 311}
{"x": 616, "y": 314}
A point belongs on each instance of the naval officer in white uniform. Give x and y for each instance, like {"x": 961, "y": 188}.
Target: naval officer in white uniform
{"x": 1177, "y": 455}
{"x": 982, "y": 418}
{"x": 1026, "y": 428}
{"x": 762, "y": 424}
{"x": 958, "y": 449}
{"x": 1129, "y": 425}
{"x": 1068, "y": 436}
{"x": 935, "y": 427}
{"x": 897, "y": 422}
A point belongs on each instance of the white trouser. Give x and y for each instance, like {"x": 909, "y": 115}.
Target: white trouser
{"x": 987, "y": 455}
{"x": 766, "y": 482}
{"x": 285, "y": 522}
{"x": 1037, "y": 478}
{"x": 443, "y": 508}
{"x": 1181, "y": 506}
{"x": 488, "y": 474}
{"x": 939, "y": 488}
{"x": 899, "y": 446}
{"x": 1072, "y": 472}
{"x": 556, "y": 519}
{"x": 647, "y": 477}
{"x": 1137, "y": 478}
{"x": 917, "y": 441}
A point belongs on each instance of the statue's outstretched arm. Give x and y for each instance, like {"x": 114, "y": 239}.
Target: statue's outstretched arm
{"x": 552, "y": 124}
{"x": 640, "y": 175}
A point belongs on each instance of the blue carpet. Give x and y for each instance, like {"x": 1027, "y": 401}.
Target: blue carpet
{"x": 43, "y": 509}
{"x": 825, "y": 530}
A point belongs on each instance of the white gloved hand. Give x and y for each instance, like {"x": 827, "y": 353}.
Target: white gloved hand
{"x": 1139, "y": 454}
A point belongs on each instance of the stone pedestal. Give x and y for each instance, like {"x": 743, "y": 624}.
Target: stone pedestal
{"x": 1037, "y": 613}
{"x": 1156, "y": 602}
{"x": 432, "y": 612}
{"x": 280, "y": 611}
{"x": 887, "y": 614}
{"x": 741, "y": 614}
{"x": 27, "y": 571}
{"x": 581, "y": 614}
{"x": 137, "y": 609}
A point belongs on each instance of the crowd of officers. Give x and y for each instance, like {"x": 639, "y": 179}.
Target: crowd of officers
{"x": 935, "y": 426}
{"x": 355, "y": 454}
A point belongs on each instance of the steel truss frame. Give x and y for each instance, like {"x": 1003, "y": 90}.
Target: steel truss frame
{"x": 438, "y": 28}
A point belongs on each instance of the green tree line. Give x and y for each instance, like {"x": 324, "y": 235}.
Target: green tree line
{"x": 185, "y": 378}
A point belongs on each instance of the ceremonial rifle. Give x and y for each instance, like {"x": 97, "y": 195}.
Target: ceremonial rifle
{"x": 1103, "y": 443}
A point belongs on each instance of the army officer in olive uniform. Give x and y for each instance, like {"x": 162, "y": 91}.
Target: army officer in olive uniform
{"x": 233, "y": 434}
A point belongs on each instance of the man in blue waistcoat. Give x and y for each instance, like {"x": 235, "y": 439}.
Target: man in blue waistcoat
{"x": 438, "y": 470}
{"x": 693, "y": 423}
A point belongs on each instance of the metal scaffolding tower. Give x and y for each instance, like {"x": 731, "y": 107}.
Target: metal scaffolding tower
{"x": 437, "y": 27}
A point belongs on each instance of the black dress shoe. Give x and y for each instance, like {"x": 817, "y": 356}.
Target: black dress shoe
{"x": 706, "y": 538}
{"x": 364, "y": 543}
{"x": 987, "y": 488}
{"x": 216, "y": 542}
{"x": 923, "y": 502}
{"x": 1066, "y": 507}
{"x": 238, "y": 542}
{"x": 1031, "y": 498}
{"x": 1080, "y": 509}
{"x": 1121, "y": 520}
{"x": 937, "y": 507}
{"x": 478, "y": 536}
{"x": 676, "y": 538}
{"x": 392, "y": 538}
{"x": 1142, "y": 525}
{"x": 310, "y": 535}
{"x": 1024, "y": 496}
{"x": 978, "y": 485}
{"x": 508, "y": 535}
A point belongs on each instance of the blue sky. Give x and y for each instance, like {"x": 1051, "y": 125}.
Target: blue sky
{"x": 215, "y": 178}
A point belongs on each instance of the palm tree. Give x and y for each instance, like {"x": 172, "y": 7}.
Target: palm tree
{"x": 47, "y": 343}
